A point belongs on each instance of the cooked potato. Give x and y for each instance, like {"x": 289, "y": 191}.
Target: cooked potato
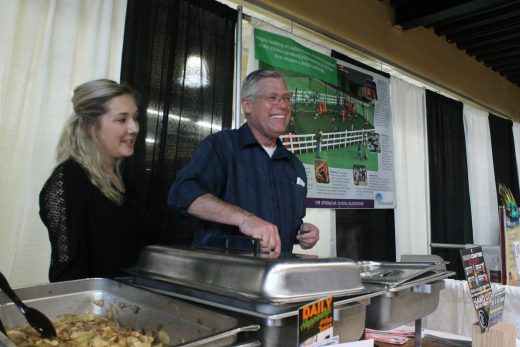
{"x": 84, "y": 330}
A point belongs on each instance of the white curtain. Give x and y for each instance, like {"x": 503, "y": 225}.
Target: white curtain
{"x": 412, "y": 220}
{"x": 46, "y": 48}
{"x": 481, "y": 177}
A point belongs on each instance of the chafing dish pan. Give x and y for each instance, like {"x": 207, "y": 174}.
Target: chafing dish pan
{"x": 186, "y": 324}
{"x": 411, "y": 291}
{"x": 265, "y": 291}
{"x": 288, "y": 279}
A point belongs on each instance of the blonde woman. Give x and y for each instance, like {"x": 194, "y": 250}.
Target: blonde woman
{"x": 96, "y": 227}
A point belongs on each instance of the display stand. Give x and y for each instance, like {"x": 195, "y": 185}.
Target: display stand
{"x": 499, "y": 335}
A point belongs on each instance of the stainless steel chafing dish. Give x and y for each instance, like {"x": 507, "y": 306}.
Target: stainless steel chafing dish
{"x": 265, "y": 291}
{"x": 186, "y": 324}
{"x": 411, "y": 291}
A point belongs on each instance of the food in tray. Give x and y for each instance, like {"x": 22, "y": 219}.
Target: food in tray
{"x": 87, "y": 329}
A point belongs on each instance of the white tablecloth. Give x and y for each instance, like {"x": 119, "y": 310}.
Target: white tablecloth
{"x": 456, "y": 313}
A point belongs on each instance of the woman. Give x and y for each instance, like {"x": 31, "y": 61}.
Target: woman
{"x": 96, "y": 228}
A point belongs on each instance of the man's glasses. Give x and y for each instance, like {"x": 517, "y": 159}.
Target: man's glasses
{"x": 276, "y": 99}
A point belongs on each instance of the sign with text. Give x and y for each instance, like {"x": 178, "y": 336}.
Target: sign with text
{"x": 285, "y": 53}
{"x": 478, "y": 282}
{"x": 315, "y": 322}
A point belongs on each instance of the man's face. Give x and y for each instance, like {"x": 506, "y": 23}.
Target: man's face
{"x": 269, "y": 111}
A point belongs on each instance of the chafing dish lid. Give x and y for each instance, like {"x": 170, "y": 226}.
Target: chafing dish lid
{"x": 290, "y": 278}
{"x": 395, "y": 274}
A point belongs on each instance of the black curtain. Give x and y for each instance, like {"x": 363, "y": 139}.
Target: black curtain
{"x": 449, "y": 191}
{"x": 365, "y": 234}
{"x": 178, "y": 54}
{"x": 504, "y": 157}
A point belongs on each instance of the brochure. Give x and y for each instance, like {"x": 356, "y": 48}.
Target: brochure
{"x": 478, "y": 282}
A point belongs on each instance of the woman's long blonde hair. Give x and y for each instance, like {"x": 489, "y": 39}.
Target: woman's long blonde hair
{"x": 89, "y": 103}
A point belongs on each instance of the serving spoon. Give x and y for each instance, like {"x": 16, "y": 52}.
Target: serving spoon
{"x": 35, "y": 318}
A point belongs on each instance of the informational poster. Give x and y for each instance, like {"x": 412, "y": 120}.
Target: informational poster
{"x": 315, "y": 323}
{"x": 511, "y": 244}
{"x": 341, "y": 124}
{"x": 478, "y": 282}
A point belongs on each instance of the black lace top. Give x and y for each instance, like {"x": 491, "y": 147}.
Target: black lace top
{"x": 90, "y": 235}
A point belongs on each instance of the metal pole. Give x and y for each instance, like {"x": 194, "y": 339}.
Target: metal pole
{"x": 418, "y": 332}
{"x": 238, "y": 66}
{"x": 447, "y": 245}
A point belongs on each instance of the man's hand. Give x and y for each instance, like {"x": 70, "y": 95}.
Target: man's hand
{"x": 211, "y": 208}
{"x": 261, "y": 229}
{"x": 308, "y": 235}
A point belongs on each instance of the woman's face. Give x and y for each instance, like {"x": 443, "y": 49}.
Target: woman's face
{"x": 117, "y": 129}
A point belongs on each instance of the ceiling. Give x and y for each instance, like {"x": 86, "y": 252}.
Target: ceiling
{"x": 488, "y": 30}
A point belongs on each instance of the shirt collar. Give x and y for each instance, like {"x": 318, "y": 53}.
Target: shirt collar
{"x": 246, "y": 138}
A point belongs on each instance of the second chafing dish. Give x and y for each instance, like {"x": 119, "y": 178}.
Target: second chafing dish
{"x": 411, "y": 291}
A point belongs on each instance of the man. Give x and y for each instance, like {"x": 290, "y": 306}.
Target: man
{"x": 245, "y": 181}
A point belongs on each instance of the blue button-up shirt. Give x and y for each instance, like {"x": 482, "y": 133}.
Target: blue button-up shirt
{"x": 234, "y": 167}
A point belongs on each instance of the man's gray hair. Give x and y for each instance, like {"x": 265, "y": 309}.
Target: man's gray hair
{"x": 250, "y": 84}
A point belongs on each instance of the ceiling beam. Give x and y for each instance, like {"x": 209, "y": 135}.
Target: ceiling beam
{"x": 409, "y": 16}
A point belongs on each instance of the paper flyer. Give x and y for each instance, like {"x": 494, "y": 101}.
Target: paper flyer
{"x": 395, "y": 336}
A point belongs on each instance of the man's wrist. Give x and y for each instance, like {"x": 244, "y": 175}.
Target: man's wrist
{"x": 244, "y": 221}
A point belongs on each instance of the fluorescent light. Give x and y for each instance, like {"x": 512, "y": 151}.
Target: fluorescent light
{"x": 208, "y": 125}
{"x": 195, "y": 74}
{"x": 200, "y": 123}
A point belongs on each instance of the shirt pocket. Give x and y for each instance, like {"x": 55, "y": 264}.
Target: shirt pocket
{"x": 298, "y": 193}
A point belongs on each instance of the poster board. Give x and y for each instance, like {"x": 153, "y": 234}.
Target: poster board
{"x": 341, "y": 125}
{"x": 510, "y": 246}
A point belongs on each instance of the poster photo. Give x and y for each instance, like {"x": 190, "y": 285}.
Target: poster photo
{"x": 340, "y": 126}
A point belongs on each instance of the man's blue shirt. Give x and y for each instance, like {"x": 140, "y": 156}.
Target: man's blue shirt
{"x": 234, "y": 167}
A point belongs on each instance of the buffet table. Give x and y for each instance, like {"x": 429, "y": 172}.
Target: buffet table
{"x": 431, "y": 338}
{"x": 219, "y": 298}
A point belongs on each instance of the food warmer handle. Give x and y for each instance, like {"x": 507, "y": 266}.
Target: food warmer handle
{"x": 248, "y": 343}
